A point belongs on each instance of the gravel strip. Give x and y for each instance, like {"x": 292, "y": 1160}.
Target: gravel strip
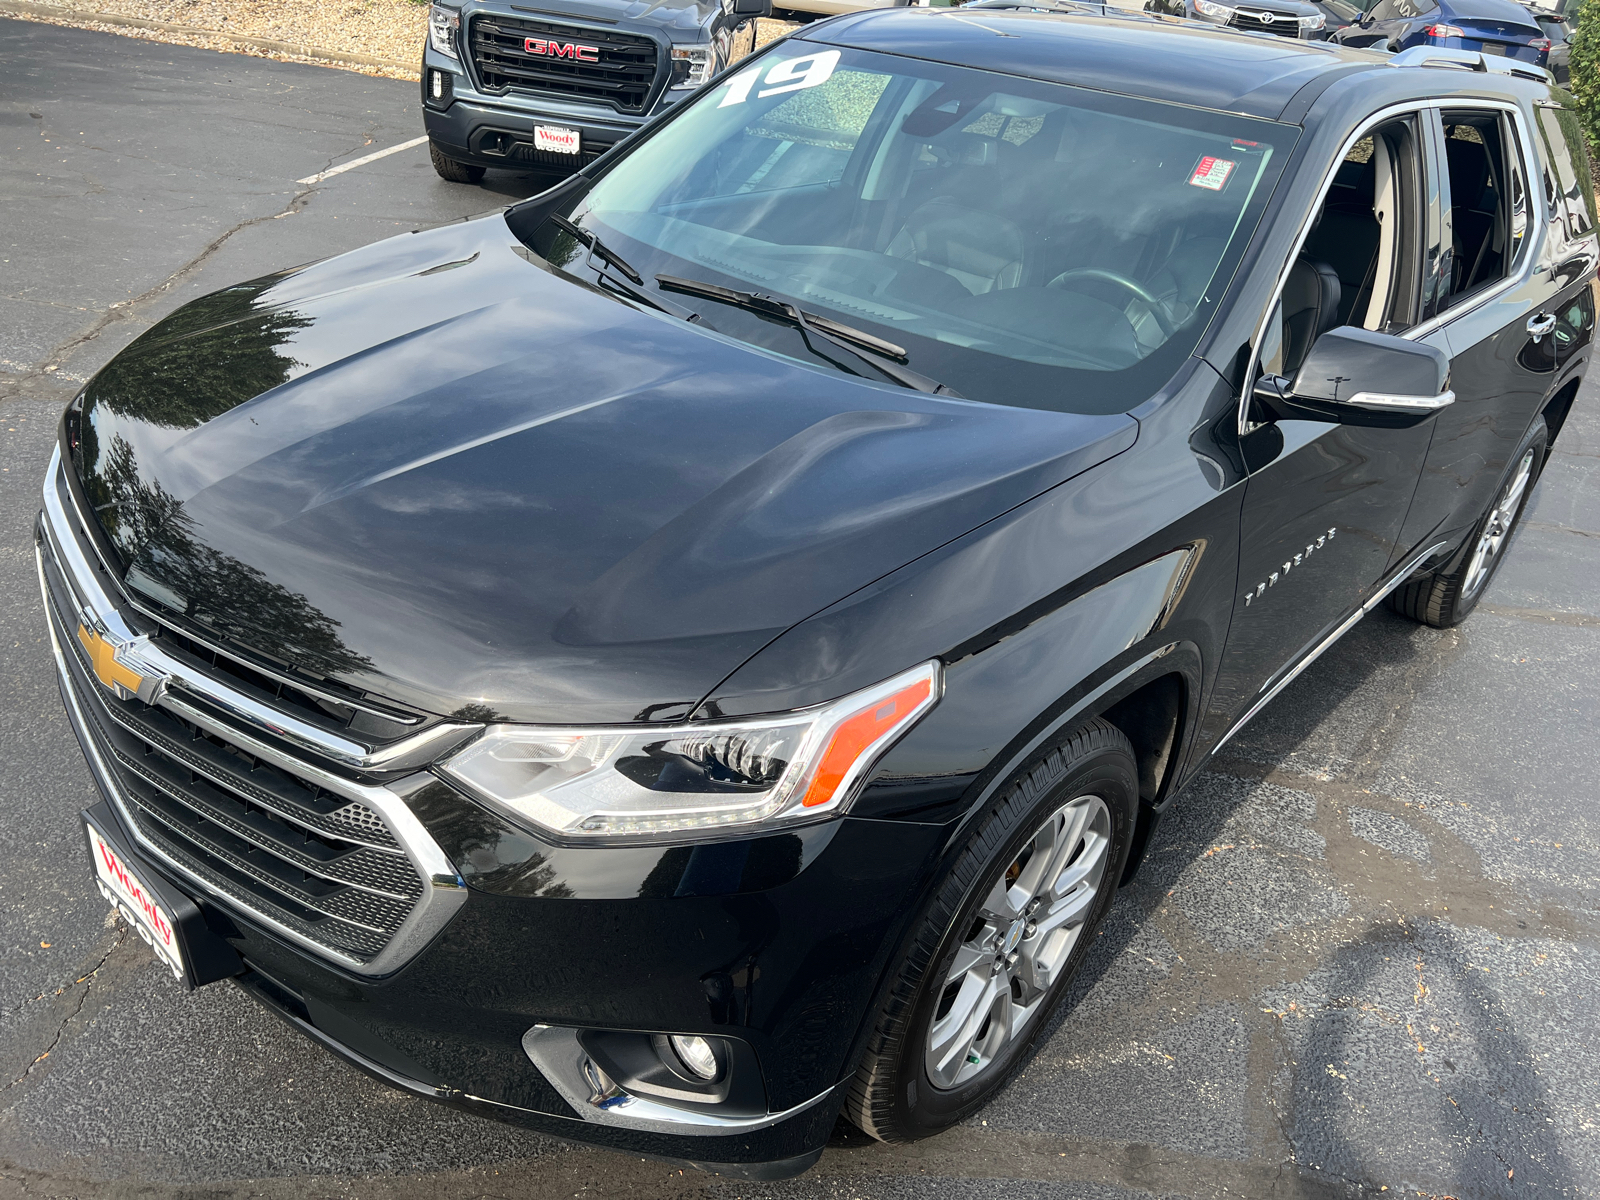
{"x": 383, "y": 29}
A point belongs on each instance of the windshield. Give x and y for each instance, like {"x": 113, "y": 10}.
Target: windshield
{"x": 1024, "y": 243}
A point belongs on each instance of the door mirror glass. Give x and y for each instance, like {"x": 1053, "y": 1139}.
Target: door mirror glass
{"x": 1359, "y": 377}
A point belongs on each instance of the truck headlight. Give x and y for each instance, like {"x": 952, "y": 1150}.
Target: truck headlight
{"x": 587, "y": 782}
{"x": 693, "y": 65}
{"x": 1217, "y": 12}
{"x": 1313, "y": 23}
{"x": 443, "y": 25}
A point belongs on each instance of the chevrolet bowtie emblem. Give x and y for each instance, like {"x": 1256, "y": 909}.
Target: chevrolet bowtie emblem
{"x": 113, "y": 666}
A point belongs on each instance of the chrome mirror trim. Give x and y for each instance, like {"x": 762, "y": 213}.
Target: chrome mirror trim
{"x": 1389, "y": 402}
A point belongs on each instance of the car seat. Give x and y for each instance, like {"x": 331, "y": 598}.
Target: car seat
{"x": 981, "y": 250}
{"x": 1310, "y": 301}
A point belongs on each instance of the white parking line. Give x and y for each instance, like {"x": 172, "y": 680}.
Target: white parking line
{"x": 362, "y": 161}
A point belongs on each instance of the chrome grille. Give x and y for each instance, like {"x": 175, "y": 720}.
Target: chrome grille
{"x": 623, "y": 76}
{"x": 1253, "y": 21}
{"x": 336, "y": 864}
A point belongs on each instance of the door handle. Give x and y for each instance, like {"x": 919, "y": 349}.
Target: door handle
{"x": 1540, "y": 325}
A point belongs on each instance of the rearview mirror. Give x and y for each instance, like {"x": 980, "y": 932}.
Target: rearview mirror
{"x": 1357, "y": 377}
{"x": 751, "y": 8}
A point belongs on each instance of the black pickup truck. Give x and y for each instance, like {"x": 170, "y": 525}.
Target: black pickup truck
{"x": 552, "y": 85}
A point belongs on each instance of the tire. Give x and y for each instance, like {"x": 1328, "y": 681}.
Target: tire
{"x": 1446, "y": 597}
{"x": 450, "y": 169}
{"x": 1075, "y": 801}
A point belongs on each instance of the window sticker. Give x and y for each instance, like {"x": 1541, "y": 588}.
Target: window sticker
{"x": 1211, "y": 173}
{"x": 786, "y": 75}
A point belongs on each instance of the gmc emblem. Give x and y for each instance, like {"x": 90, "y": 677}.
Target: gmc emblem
{"x": 562, "y": 50}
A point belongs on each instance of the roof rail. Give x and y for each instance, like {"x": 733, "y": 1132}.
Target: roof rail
{"x": 1469, "y": 60}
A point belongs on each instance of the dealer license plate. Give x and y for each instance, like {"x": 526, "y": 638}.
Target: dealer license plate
{"x": 120, "y": 884}
{"x": 556, "y": 139}
{"x": 1494, "y": 48}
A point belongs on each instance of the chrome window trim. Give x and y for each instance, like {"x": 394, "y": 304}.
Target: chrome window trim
{"x": 1532, "y": 239}
{"x": 99, "y": 611}
{"x": 443, "y": 889}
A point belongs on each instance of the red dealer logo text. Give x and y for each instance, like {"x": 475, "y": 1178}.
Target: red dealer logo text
{"x": 562, "y": 50}
{"x": 131, "y": 886}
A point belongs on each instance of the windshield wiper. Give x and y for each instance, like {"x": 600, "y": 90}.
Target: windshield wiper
{"x": 869, "y": 349}
{"x": 610, "y": 258}
{"x": 597, "y": 248}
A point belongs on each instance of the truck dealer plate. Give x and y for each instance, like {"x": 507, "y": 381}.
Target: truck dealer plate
{"x": 556, "y": 139}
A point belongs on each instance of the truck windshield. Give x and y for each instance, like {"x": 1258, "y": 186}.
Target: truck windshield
{"x": 1025, "y": 243}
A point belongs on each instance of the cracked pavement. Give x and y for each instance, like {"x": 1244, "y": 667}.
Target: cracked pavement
{"x": 1362, "y": 959}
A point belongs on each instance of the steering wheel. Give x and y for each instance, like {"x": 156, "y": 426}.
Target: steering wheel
{"x": 1152, "y": 305}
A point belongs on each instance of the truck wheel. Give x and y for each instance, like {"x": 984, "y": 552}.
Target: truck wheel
{"x": 449, "y": 168}
{"x": 1008, "y": 927}
{"x": 1445, "y": 597}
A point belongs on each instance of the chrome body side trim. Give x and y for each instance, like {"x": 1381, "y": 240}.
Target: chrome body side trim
{"x": 558, "y": 1054}
{"x": 1390, "y": 402}
{"x": 169, "y": 675}
{"x": 1271, "y": 688}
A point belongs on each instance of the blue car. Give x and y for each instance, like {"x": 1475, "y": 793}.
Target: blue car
{"x": 1498, "y": 27}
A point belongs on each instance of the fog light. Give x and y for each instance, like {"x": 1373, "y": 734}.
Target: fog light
{"x": 438, "y": 86}
{"x": 696, "y": 1054}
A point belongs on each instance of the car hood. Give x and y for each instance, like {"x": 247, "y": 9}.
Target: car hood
{"x": 438, "y": 470}
{"x": 1296, "y": 8}
{"x": 668, "y": 15}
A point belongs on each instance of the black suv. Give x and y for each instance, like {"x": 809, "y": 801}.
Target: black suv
{"x": 696, "y": 652}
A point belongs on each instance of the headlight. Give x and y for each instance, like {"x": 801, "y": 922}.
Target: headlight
{"x": 1312, "y": 23}
{"x": 693, "y": 65}
{"x": 707, "y": 776}
{"x": 443, "y": 24}
{"x": 1208, "y": 8}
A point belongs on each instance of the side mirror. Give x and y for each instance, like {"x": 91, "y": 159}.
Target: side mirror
{"x": 1356, "y": 377}
{"x": 751, "y": 8}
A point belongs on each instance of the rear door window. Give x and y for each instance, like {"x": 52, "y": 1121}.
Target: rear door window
{"x": 1485, "y": 203}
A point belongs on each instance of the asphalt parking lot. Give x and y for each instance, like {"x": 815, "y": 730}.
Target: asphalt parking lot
{"x": 1363, "y": 958}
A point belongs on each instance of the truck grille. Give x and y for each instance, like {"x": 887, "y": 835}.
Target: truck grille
{"x": 306, "y": 852}
{"x": 624, "y": 75}
{"x": 1282, "y": 24}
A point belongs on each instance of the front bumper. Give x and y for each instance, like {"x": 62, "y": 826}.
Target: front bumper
{"x": 494, "y": 130}
{"x": 500, "y": 134}
{"x": 778, "y": 943}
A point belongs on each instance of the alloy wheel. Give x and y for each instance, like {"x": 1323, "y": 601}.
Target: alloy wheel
{"x": 1018, "y": 942}
{"x": 1498, "y": 527}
